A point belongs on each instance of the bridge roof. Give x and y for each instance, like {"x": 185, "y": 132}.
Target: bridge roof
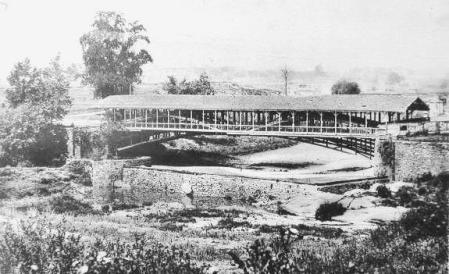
{"x": 359, "y": 103}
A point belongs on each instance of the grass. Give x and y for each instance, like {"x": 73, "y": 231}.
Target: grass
{"x": 40, "y": 247}
{"x": 67, "y": 204}
{"x": 208, "y": 234}
{"x": 189, "y": 215}
{"x": 305, "y": 230}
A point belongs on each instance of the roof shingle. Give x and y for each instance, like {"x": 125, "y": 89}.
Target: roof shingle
{"x": 364, "y": 103}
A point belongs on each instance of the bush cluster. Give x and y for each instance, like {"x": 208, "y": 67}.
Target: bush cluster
{"x": 68, "y": 204}
{"x": 417, "y": 243}
{"x": 269, "y": 257}
{"x": 406, "y": 195}
{"x": 326, "y": 211}
{"x": 383, "y": 191}
{"x": 43, "y": 248}
{"x": 82, "y": 170}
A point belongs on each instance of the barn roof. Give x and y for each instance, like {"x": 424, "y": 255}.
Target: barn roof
{"x": 365, "y": 102}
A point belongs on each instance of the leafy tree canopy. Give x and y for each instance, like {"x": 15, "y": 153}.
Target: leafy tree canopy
{"x": 46, "y": 89}
{"x": 114, "y": 53}
{"x": 201, "y": 86}
{"x": 37, "y": 98}
{"x": 345, "y": 87}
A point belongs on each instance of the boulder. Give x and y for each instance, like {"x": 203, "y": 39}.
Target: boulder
{"x": 359, "y": 202}
{"x": 355, "y": 193}
{"x": 306, "y": 205}
{"x": 393, "y": 187}
{"x": 373, "y": 214}
{"x": 186, "y": 188}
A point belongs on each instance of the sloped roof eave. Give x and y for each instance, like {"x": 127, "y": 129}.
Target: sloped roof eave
{"x": 346, "y": 103}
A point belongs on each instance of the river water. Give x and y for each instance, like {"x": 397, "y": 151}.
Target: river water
{"x": 302, "y": 163}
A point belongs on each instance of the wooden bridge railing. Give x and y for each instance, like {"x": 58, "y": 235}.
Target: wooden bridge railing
{"x": 288, "y": 130}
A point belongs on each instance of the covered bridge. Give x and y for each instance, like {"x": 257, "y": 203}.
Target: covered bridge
{"x": 344, "y": 121}
{"x": 356, "y": 114}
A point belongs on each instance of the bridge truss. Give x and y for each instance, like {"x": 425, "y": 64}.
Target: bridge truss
{"x": 349, "y": 130}
{"x": 350, "y": 122}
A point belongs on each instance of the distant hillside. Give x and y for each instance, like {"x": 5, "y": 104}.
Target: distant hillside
{"x": 310, "y": 82}
{"x": 231, "y": 80}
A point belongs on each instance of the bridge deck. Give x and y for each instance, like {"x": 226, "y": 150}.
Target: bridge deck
{"x": 270, "y": 130}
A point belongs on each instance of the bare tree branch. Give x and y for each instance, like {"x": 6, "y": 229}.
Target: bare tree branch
{"x": 285, "y": 74}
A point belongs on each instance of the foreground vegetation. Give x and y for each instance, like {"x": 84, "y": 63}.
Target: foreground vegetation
{"x": 69, "y": 234}
{"x": 43, "y": 248}
{"x": 417, "y": 243}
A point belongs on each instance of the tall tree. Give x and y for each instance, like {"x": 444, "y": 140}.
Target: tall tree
{"x": 46, "y": 88}
{"x": 114, "y": 53}
{"x": 29, "y": 131}
{"x": 345, "y": 87}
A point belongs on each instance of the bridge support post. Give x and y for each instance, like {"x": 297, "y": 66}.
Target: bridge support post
{"x": 293, "y": 121}
{"x": 146, "y": 118}
{"x": 335, "y": 122}
{"x": 266, "y": 122}
{"x": 240, "y": 120}
{"x": 279, "y": 125}
{"x": 203, "y": 120}
{"x": 252, "y": 118}
{"x": 307, "y": 121}
{"x": 168, "y": 118}
{"x": 321, "y": 122}
{"x": 350, "y": 123}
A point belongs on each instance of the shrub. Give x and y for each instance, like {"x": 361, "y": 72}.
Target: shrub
{"x": 389, "y": 202}
{"x": 272, "y": 257}
{"x": 425, "y": 177}
{"x": 67, "y": 204}
{"x": 429, "y": 220}
{"x": 229, "y": 223}
{"x": 326, "y": 211}
{"x": 422, "y": 191}
{"x": 40, "y": 247}
{"x": 27, "y": 137}
{"x": 405, "y": 195}
{"x": 383, "y": 191}
{"x": 167, "y": 226}
{"x": 81, "y": 169}
{"x": 103, "y": 142}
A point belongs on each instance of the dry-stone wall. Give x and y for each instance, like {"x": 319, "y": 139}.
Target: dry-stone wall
{"x": 415, "y": 158}
{"x": 150, "y": 184}
{"x": 383, "y": 158}
{"x": 107, "y": 176}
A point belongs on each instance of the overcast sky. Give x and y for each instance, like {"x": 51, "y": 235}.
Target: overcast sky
{"x": 253, "y": 34}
